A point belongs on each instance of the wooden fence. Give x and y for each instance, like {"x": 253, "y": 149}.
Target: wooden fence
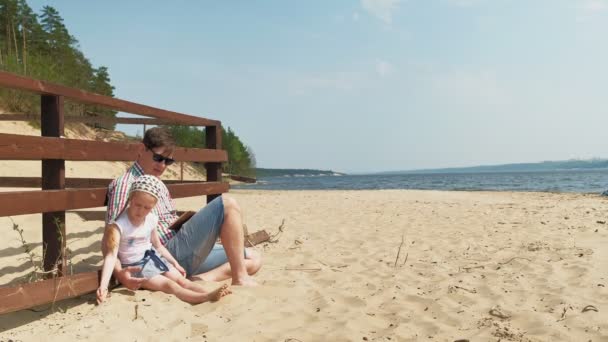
{"x": 59, "y": 194}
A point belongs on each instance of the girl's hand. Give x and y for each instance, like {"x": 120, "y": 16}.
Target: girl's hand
{"x": 102, "y": 294}
{"x": 180, "y": 269}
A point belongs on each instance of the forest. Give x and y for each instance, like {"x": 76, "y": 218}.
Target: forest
{"x": 39, "y": 45}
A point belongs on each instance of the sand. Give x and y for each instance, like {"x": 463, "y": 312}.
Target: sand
{"x": 482, "y": 266}
{"x": 392, "y": 265}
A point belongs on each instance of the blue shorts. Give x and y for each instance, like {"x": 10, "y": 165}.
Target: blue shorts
{"x": 194, "y": 245}
{"x": 152, "y": 264}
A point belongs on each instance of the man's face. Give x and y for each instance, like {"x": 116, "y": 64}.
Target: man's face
{"x": 150, "y": 166}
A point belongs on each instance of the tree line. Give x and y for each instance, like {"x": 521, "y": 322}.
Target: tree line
{"x": 40, "y": 46}
{"x": 241, "y": 158}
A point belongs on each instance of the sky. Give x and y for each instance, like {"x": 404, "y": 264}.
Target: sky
{"x": 369, "y": 85}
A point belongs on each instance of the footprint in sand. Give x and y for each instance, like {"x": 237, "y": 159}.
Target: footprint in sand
{"x": 198, "y": 329}
{"x": 318, "y": 299}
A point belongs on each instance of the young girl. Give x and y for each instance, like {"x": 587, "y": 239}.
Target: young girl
{"x": 134, "y": 239}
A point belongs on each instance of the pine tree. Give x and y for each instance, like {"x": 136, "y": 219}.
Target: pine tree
{"x": 40, "y": 46}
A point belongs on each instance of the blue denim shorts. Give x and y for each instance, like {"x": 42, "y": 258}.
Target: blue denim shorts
{"x": 152, "y": 264}
{"x": 194, "y": 245}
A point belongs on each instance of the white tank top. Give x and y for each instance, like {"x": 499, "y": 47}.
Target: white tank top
{"x": 134, "y": 240}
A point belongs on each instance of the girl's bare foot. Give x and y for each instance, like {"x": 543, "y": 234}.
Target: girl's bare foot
{"x": 218, "y": 293}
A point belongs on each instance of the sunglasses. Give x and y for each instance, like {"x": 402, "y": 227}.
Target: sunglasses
{"x": 159, "y": 158}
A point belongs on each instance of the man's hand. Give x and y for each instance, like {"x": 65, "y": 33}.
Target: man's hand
{"x": 127, "y": 280}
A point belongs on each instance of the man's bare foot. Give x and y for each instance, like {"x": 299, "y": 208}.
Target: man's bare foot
{"x": 218, "y": 293}
{"x": 245, "y": 281}
{"x": 198, "y": 278}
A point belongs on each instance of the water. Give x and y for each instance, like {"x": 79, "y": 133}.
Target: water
{"x": 580, "y": 181}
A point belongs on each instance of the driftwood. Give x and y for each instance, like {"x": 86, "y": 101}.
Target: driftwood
{"x": 497, "y": 311}
{"x": 243, "y": 179}
{"x": 275, "y": 238}
{"x": 256, "y": 238}
{"x": 590, "y": 308}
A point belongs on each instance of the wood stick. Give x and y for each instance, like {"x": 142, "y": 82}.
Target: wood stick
{"x": 399, "y": 251}
{"x": 301, "y": 269}
{"x": 404, "y": 261}
{"x": 513, "y": 258}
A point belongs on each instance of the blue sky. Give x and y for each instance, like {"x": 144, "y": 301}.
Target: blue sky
{"x": 371, "y": 85}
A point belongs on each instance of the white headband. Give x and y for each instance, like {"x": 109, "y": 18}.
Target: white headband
{"x": 148, "y": 184}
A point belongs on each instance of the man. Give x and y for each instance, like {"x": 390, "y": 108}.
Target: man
{"x": 194, "y": 244}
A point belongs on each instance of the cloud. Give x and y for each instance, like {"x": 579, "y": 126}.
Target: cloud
{"x": 356, "y": 16}
{"x": 381, "y": 9}
{"x": 594, "y": 5}
{"x": 383, "y": 68}
{"x": 590, "y": 9}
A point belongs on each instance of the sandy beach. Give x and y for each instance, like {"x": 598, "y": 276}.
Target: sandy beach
{"x": 477, "y": 266}
{"x": 425, "y": 170}
{"x": 388, "y": 265}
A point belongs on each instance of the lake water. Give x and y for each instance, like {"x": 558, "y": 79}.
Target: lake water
{"x": 581, "y": 181}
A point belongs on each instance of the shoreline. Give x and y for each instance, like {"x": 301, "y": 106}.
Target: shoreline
{"x": 553, "y": 182}
{"x": 243, "y": 188}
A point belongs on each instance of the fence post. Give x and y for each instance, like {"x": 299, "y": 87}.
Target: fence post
{"x": 213, "y": 140}
{"x": 53, "y": 178}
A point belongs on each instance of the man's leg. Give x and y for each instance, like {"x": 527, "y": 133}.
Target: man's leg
{"x": 193, "y": 243}
{"x": 233, "y": 242}
{"x": 217, "y": 267}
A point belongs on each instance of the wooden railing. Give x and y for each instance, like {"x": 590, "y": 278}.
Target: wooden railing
{"x": 59, "y": 194}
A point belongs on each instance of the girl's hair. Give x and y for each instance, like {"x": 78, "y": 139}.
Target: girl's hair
{"x": 112, "y": 238}
{"x": 148, "y": 184}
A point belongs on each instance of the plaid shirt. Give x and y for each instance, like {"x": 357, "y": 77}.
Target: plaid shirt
{"x": 118, "y": 193}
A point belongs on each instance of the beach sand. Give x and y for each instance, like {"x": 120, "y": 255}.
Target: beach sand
{"x": 477, "y": 266}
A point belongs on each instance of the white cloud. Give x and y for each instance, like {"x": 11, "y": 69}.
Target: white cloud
{"x": 383, "y": 68}
{"x": 590, "y": 9}
{"x": 382, "y": 9}
{"x": 594, "y": 5}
